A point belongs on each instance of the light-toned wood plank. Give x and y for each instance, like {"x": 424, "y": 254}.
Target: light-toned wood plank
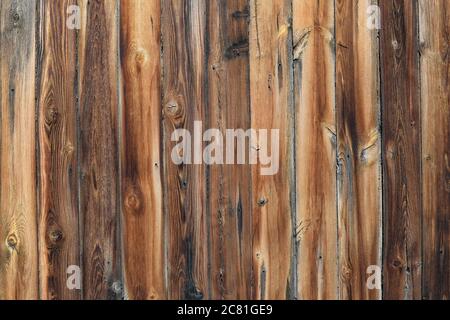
{"x": 59, "y": 245}
{"x": 272, "y": 108}
{"x": 314, "y": 77}
{"x": 359, "y": 149}
{"x": 18, "y": 221}
{"x": 435, "y": 104}
{"x": 142, "y": 198}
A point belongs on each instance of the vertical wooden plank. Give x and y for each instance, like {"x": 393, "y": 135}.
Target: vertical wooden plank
{"x": 141, "y": 150}
{"x": 184, "y": 102}
{"x": 230, "y": 185}
{"x": 314, "y": 76}
{"x": 401, "y": 150}
{"x": 58, "y": 179}
{"x": 435, "y": 98}
{"x": 272, "y": 108}
{"x": 98, "y": 61}
{"x": 359, "y": 149}
{"x": 18, "y": 228}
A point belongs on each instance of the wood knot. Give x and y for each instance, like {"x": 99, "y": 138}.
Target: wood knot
{"x": 16, "y": 17}
{"x": 56, "y": 236}
{"x": 12, "y": 241}
{"x": 51, "y": 116}
{"x": 262, "y": 202}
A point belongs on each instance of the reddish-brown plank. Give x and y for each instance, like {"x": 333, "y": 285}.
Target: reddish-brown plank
{"x": 59, "y": 245}
{"x": 143, "y": 239}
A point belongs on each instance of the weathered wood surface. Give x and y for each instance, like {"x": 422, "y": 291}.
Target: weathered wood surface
{"x": 401, "y": 150}
{"x": 359, "y": 149}
{"x": 87, "y": 176}
{"x": 18, "y": 203}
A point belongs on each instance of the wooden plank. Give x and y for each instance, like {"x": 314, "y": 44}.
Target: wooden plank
{"x": 98, "y": 149}
{"x": 359, "y": 149}
{"x": 143, "y": 236}
{"x": 18, "y": 228}
{"x": 184, "y": 101}
{"x": 315, "y": 149}
{"x": 401, "y": 150}
{"x": 229, "y": 185}
{"x": 58, "y": 180}
{"x": 435, "y": 98}
{"x": 272, "y": 108}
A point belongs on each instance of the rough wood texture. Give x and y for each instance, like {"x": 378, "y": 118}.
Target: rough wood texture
{"x": 229, "y": 200}
{"x": 435, "y": 98}
{"x": 87, "y": 177}
{"x": 18, "y": 221}
{"x": 401, "y": 150}
{"x": 59, "y": 245}
{"x": 359, "y": 146}
{"x": 271, "y": 107}
{"x": 142, "y": 161}
{"x": 98, "y": 149}
{"x": 315, "y": 140}
{"x": 184, "y": 102}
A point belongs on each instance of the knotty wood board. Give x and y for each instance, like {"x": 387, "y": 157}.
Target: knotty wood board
{"x": 87, "y": 177}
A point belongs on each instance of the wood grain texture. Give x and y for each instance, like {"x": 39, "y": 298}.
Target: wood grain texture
{"x": 184, "y": 36}
{"x": 401, "y": 150}
{"x": 98, "y": 149}
{"x": 359, "y": 149}
{"x": 229, "y": 199}
{"x": 142, "y": 161}
{"x": 315, "y": 132}
{"x": 59, "y": 245}
{"x": 18, "y": 220}
{"x": 435, "y": 102}
{"x": 271, "y": 106}
{"x": 88, "y": 118}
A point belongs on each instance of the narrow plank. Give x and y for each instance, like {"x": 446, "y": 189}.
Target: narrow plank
{"x": 58, "y": 179}
{"x": 359, "y": 149}
{"x": 183, "y": 25}
{"x": 314, "y": 75}
{"x": 272, "y": 108}
{"x": 140, "y": 150}
{"x": 230, "y": 185}
{"x": 401, "y": 150}
{"x": 435, "y": 98}
{"x": 18, "y": 228}
{"x": 98, "y": 149}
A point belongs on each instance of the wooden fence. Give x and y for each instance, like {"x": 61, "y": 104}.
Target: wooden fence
{"x": 92, "y": 90}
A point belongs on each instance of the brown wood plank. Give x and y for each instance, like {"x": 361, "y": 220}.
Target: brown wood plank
{"x": 18, "y": 220}
{"x": 184, "y": 101}
{"x": 401, "y": 150}
{"x": 315, "y": 149}
{"x": 229, "y": 185}
{"x": 98, "y": 149}
{"x": 435, "y": 98}
{"x": 59, "y": 245}
{"x": 359, "y": 149}
{"x": 272, "y": 108}
{"x": 143, "y": 236}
